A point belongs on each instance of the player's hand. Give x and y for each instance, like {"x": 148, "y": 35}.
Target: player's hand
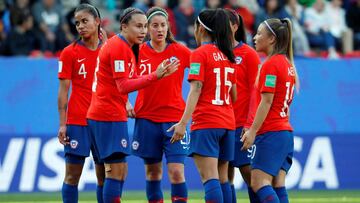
{"x": 166, "y": 68}
{"x": 63, "y": 139}
{"x": 248, "y": 139}
{"x": 243, "y": 131}
{"x": 103, "y": 35}
{"x": 130, "y": 110}
{"x": 179, "y": 132}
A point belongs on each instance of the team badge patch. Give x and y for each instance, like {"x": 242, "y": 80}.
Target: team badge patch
{"x": 74, "y": 144}
{"x": 124, "y": 143}
{"x": 195, "y": 68}
{"x": 119, "y": 66}
{"x": 238, "y": 60}
{"x": 135, "y": 145}
{"x": 173, "y": 58}
{"x": 270, "y": 81}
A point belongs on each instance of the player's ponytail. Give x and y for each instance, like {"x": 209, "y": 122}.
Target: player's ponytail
{"x": 235, "y": 18}
{"x": 217, "y": 25}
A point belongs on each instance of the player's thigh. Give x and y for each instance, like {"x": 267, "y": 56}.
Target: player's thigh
{"x": 147, "y": 140}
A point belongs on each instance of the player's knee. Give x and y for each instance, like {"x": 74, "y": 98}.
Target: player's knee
{"x": 176, "y": 175}
{"x": 154, "y": 174}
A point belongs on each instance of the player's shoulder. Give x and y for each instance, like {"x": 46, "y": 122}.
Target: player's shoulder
{"x": 179, "y": 47}
{"x": 69, "y": 49}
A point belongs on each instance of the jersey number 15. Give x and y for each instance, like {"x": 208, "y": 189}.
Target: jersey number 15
{"x": 219, "y": 83}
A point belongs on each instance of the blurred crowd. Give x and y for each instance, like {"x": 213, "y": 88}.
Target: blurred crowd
{"x": 44, "y": 27}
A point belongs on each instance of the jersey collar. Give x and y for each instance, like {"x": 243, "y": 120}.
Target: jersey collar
{"x": 123, "y": 38}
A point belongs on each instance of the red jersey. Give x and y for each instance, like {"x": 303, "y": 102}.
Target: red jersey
{"x": 214, "y": 108}
{"x": 277, "y": 76}
{"x": 247, "y": 62}
{"x": 77, "y": 63}
{"x": 162, "y": 101}
{"x": 116, "y": 60}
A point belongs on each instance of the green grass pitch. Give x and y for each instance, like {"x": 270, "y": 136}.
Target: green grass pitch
{"x": 313, "y": 196}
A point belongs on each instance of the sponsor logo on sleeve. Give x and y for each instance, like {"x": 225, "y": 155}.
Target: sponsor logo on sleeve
{"x": 270, "y": 81}
{"x": 195, "y": 68}
{"x": 119, "y": 66}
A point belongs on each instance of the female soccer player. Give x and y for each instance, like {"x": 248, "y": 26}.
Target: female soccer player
{"x": 247, "y": 62}
{"x": 274, "y": 143}
{"x": 76, "y": 68}
{"x": 158, "y": 107}
{"x": 114, "y": 78}
{"x": 212, "y": 81}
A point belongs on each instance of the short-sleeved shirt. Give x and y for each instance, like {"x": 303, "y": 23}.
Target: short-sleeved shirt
{"x": 116, "y": 60}
{"x": 277, "y": 76}
{"x": 247, "y": 63}
{"x": 162, "y": 101}
{"x": 77, "y": 63}
{"x": 214, "y": 108}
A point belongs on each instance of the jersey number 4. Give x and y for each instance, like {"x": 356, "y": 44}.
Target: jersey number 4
{"x": 219, "y": 83}
{"x": 82, "y": 70}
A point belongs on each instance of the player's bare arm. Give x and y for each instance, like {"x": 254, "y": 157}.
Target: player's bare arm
{"x": 193, "y": 97}
{"x": 264, "y": 107}
{"x": 62, "y": 107}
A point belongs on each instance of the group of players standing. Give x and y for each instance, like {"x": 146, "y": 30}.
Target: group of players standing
{"x": 239, "y": 111}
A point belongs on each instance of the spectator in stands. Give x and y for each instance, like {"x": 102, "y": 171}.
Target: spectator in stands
{"x": 171, "y": 17}
{"x": 251, "y": 5}
{"x": 317, "y": 28}
{"x": 338, "y": 27}
{"x": 247, "y": 16}
{"x": 296, "y": 13}
{"x": 185, "y": 17}
{"x": 272, "y": 9}
{"x": 49, "y": 20}
{"x": 353, "y": 21}
{"x": 21, "y": 40}
{"x": 142, "y": 5}
{"x": 213, "y": 4}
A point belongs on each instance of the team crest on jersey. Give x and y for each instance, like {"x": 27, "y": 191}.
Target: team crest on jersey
{"x": 238, "y": 60}
{"x": 135, "y": 145}
{"x": 173, "y": 58}
{"x": 74, "y": 144}
{"x": 124, "y": 143}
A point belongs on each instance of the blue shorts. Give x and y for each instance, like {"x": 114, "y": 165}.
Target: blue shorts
{"x": 241, "y": 158}
{"x": 213, "y": 142}
{"x": 151, "y": 141}
{"x": 273, "y": 151}
{"x": 80, "y": 144}
{"x": 111, "y": 140}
